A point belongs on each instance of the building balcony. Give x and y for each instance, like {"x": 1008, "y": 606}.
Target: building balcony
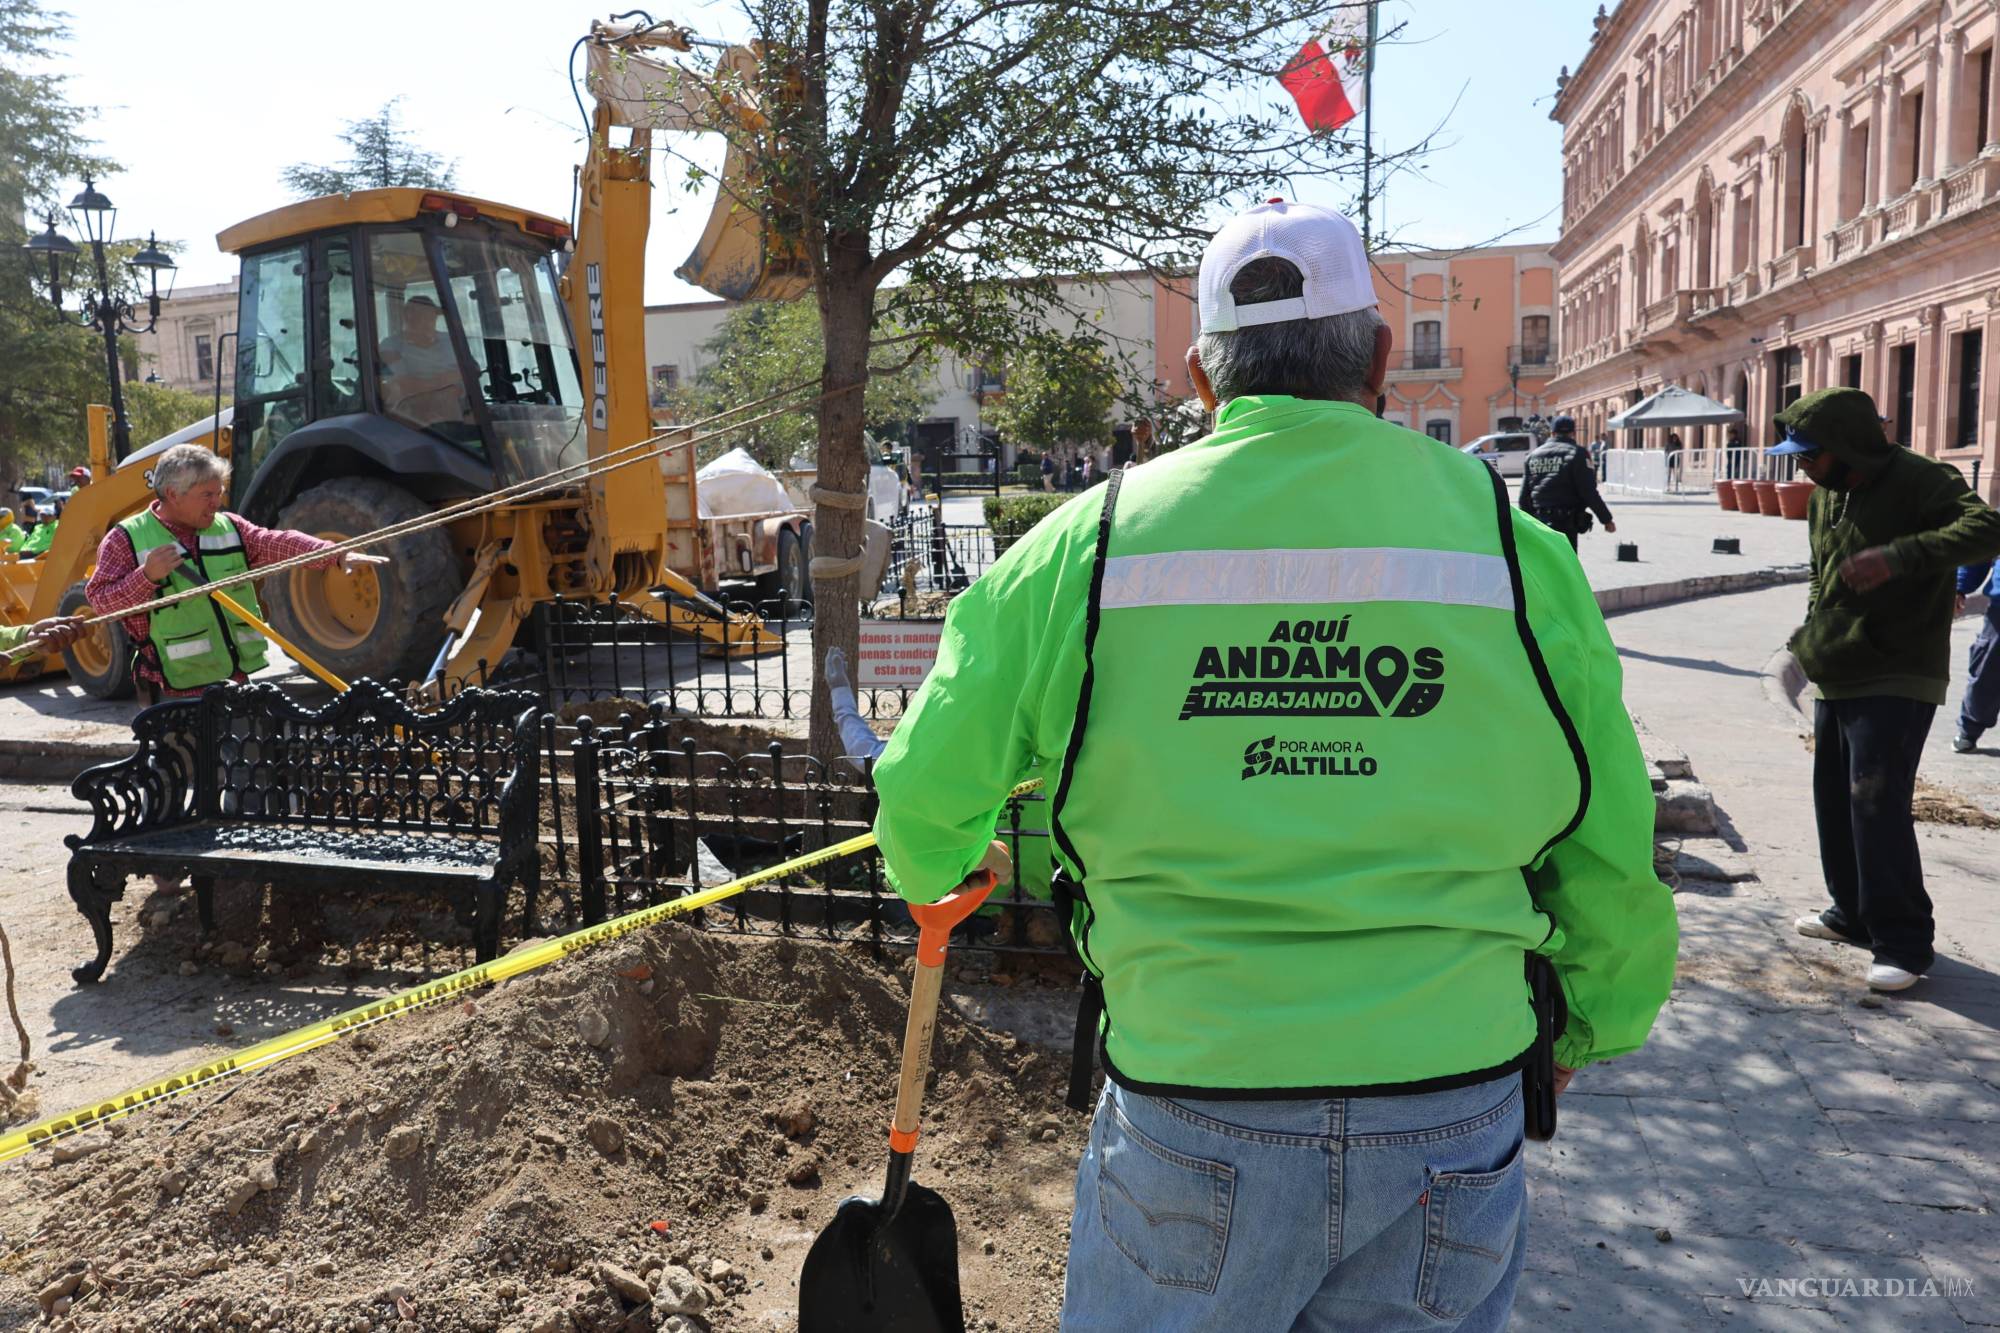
{"x": 1968, "y": 187}
{"x": 1533, "y": 358}
{"x": 1428, "y": 363}
{"x": 1902, "y": 215}
{"x": 1787, "y": 267}
{"x": 1847, "y": 240}
{"x": 1705, "y": 301}
{"x": 1743, "y": 286}
{"x": 1660, "y": 316}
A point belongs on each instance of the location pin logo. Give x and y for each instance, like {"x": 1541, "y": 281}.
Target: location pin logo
{"x": 1387, "y": 669}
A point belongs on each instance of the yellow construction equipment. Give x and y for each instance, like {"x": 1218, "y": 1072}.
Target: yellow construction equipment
{"x": 401, "y": 350}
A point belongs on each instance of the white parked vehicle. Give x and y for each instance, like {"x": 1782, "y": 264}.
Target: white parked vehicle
{"x": 1505, "y": 453}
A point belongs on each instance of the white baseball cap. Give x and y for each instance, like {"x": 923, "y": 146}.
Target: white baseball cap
{"x": 1320, "y": 243}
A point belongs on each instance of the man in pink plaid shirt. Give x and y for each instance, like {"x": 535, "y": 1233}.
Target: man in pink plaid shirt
{"x": 192, "y": 527}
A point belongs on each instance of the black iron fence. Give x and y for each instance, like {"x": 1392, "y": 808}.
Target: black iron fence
{"x": 756, "y": 668}
{"x": 639, "y": 812}
{"x": 927, "y": 554}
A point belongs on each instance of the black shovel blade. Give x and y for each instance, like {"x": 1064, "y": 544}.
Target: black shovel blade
{"x": 868, "y": 1273}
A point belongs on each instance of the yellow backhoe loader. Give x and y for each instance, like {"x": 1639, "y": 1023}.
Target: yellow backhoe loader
{"x": 401, "y": 350}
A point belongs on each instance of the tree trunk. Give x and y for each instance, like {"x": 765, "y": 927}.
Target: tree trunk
{"x": 847, "y": 306}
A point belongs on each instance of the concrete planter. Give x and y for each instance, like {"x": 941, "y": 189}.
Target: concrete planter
{"x": 1767, "y": 499}
{"x": 1793, "y": 497}
{"x": 1725, "y": 494}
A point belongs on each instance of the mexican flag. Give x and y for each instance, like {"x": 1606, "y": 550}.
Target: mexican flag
{"x": 1329, "y": 88}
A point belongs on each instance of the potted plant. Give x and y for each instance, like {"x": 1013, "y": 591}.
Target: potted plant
{"x": 1794, "y": 496}
{"x": 1767, "y": 498}
{"x": 1725, "y": 494}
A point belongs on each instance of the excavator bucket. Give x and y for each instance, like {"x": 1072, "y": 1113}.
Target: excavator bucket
{"x": 739, "y": 256}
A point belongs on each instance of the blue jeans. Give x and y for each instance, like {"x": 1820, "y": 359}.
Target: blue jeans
{"x": 1370, "y": 1213}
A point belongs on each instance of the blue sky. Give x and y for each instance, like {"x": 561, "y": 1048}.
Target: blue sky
{"x": 208, "y": 102}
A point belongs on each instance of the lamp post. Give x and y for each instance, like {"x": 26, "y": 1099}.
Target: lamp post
{"x": 102, "y": 306}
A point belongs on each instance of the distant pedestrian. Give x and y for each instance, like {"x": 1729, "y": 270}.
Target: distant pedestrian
{"x": 1559, "y": 486}
{"x": 1887, "y": 529}
{"x": 1048, "y": 472}
{"x": 1981, "y": 707}
{"x": 1083, "y": 470}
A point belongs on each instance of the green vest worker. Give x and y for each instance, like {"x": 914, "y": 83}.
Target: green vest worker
{"x": 1338, "y": 746}
{"x": 182, "y": 541}
{"x": 12, "y": 534}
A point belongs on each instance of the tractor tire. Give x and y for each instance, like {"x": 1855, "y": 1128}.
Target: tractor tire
{"x": 785, "y": 587}
{"x": 101, "y": 661}
{"x": 386, "y": 622}
{"x": 806, "y": 540}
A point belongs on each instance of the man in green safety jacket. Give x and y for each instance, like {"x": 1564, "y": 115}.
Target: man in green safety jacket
{"x": 1339, "y": 758}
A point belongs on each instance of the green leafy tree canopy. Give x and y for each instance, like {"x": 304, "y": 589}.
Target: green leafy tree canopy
{"x": 49, "y": 366}
{"x": 380, "y": 155}
{"x": 1060, "y": 391}
{"x": 973, "y": 149}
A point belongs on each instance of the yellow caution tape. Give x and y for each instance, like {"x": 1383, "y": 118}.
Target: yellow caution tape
{"x": 20, "y": 1142}
{"x": 265, "y": 1054}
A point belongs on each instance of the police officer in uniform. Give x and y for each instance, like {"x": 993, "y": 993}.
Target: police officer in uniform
{"x": 1559, "y": 484}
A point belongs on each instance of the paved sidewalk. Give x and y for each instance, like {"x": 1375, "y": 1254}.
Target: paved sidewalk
{"x": 1783, "y": 1134}
{"x": 1675, "y": 536}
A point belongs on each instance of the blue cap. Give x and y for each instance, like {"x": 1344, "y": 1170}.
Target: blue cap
{"x": 1564, "y": 425}
{"x": 1792, "y": 444}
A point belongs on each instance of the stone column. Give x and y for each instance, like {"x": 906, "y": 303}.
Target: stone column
{"x": 1935, "y": 113}
{"x": 1887, "y": 104}
{"x": 1927, "y": 403}
{"x": 1841, "y": 127}
{"x": 1949, "y": 153}
{"x": 1992, "y": 144}
{"x": 1989, "y": 400}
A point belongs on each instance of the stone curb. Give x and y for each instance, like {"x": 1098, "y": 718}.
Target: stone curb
{"x": 1613, "y": 601}
{"x": 55, "y": 761}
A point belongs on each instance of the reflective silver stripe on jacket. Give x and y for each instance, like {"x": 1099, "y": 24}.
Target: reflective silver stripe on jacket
{"x": 1308, "y": 577}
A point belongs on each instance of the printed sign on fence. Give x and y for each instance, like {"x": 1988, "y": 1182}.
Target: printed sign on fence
{"x": 897, "y": 654}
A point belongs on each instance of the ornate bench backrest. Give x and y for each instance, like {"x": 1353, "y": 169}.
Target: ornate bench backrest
{"x": 154, "y": 786}
{"x": 368, "y": 760}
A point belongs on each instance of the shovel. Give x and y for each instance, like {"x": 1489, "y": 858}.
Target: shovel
{"x": 890, "y": 1265}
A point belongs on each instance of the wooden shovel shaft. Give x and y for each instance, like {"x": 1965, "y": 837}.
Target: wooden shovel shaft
{"x": 917, "y": 1033}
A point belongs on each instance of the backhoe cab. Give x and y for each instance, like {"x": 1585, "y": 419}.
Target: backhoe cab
{"x": 399, "y": 350}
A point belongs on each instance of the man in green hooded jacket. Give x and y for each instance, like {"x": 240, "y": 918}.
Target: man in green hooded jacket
{"x": 1889, "y": 529}
{"x": 1337, "y": 755}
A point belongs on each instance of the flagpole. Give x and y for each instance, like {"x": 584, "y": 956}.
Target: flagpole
{"x": 1368, "y": 137}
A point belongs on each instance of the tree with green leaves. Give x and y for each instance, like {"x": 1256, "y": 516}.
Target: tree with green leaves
{"x": 50, "y": 367}
{"x": 1060, "y": 394}
{"x": 766, "y": 347}
{"x": 158, "y": 410}
{"x": 937, "y": 162}
{"x": 380, "y": 155}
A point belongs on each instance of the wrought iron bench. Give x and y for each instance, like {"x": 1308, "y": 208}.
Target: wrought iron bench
{"x": 364, "y": 793}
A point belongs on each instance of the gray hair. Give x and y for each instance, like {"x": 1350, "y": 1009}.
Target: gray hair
{"x": 1304, "y": 358}
{"x": 185, "y": 466}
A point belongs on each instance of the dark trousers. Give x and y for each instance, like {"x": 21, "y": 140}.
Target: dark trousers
{"x": 1981, "y": 709}
{"x": 1865, "y": 754}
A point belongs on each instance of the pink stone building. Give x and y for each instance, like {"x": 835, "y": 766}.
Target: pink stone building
{"x": 1766, "y": 197}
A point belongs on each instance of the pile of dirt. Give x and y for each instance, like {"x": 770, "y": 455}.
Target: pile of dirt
{"x": 645, "y": 1136}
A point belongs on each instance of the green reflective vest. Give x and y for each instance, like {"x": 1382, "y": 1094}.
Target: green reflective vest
{"x": 12, "y": 536}
{"x": 1337, "y": 738}
{"x": 196, "y": 642}
{"x": 39, "y": 540}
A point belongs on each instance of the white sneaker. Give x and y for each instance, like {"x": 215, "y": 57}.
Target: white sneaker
{"x": 1887, "y": 976}
{"x": 1814, "y": 927}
